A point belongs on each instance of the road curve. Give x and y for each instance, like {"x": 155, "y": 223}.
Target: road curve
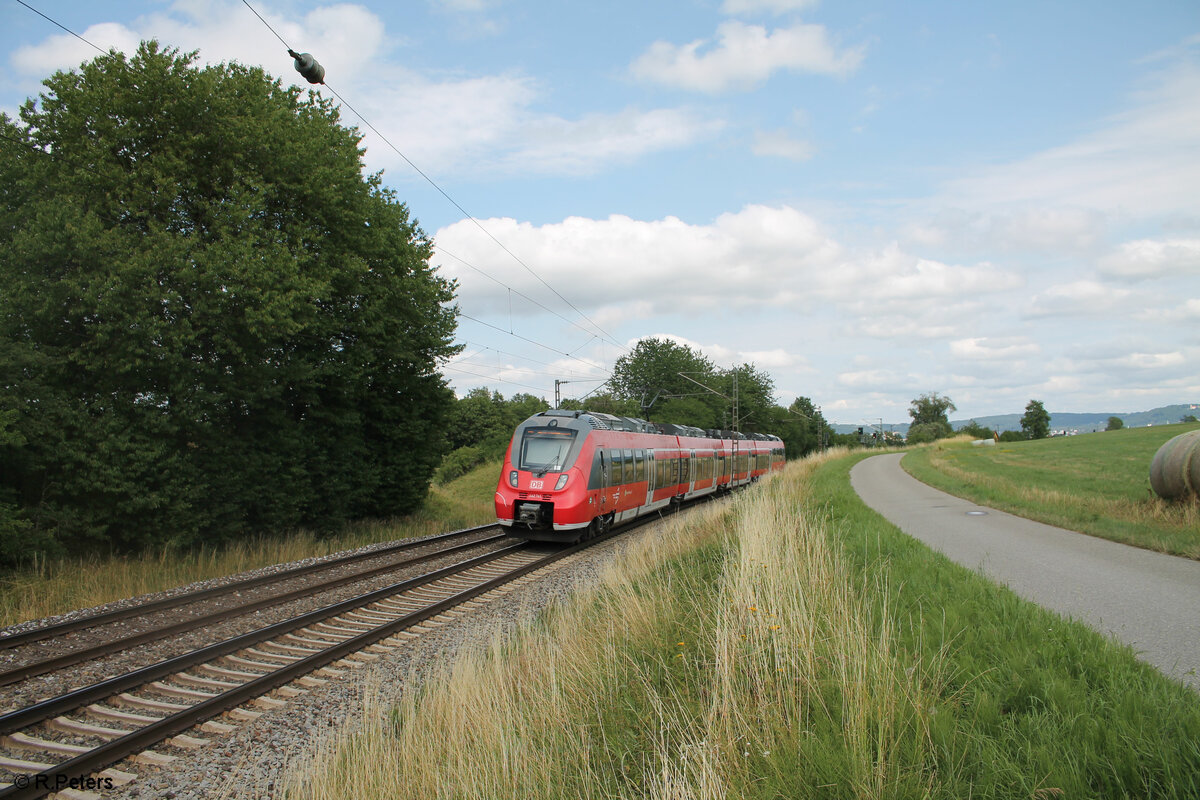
{"x": 1148, "y": 600}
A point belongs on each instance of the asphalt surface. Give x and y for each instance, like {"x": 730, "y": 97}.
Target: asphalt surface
{"x": 1145, "y": 599}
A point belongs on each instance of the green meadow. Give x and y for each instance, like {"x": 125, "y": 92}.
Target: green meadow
{"x": 1096, "y": 483}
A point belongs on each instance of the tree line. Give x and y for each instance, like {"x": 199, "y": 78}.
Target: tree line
{"x": 931, "y": 421}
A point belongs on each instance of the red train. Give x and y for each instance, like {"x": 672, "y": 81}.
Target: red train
{"x": 570, "y": 475}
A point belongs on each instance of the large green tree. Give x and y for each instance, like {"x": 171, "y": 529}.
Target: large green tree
{"x": 930, "y": 418}
{"x": 671, "y": 382}
{"x": 212, "y": 321}
{"x": 800, "y": 425}
{"x": 1035, "y": 422}
{"x": 653, "y": 374}
{"x": 755, "y": 393}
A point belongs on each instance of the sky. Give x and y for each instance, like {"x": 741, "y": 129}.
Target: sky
{"x": 869, "y": 201}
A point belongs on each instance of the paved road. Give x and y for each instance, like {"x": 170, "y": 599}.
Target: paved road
{"x": 1148, "y": 600}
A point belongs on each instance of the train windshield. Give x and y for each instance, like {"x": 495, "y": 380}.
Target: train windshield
{"x": 545, "y": 449}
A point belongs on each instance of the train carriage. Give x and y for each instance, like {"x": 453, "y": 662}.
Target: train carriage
{"x": 570, "y": 475}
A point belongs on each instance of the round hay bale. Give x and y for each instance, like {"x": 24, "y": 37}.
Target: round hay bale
{"x": 1175, "y": 470}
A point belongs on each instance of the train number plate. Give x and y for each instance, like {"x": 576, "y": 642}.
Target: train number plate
{"x": 536, "y": 484}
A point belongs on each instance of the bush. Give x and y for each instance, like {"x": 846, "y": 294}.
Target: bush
{"x": 1013, "y": 436}
{"x": 458, "y": 463}
{"x": 977, "y": 431}
{"x": 925, "y": 432}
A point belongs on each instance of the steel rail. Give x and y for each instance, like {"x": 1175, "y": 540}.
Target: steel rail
{"x": 104, "y": 617}
{"x": 38, "y": 712}
{"x": 45, "y": 782}
{"x": 107, "y": 754}
{"x": 35, "y": 668}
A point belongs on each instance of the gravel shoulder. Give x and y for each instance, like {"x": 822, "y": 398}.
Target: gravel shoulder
{"x": 254, "y": 760}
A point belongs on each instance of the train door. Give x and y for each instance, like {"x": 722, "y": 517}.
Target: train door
{"x": 605, "y": 480}
{"x": 650, "y": 476}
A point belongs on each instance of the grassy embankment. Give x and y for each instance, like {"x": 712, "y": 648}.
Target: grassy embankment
{"x": 791, "y": 644}
{"x": 1097, "y": 483}
{"x": 55, "y": 587}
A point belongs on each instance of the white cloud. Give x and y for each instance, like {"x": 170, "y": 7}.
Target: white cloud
{"x": 64, "y": 51}
{"x": 879, "y": 379}
{"x": 760, "y": 261}
{"x": 345, "y": 38}
{"x": 556, "y": 145}
{"x": 1069, "y": 230}
{"x": 780, "y": 144}
{"x": 894, "y": 276}
{"x": 1078, "y": 298}
{"x": 455, "y": 124}
{"x": 994, "y": 349}
{"x": 1190, "y": 310}
{"x": 778, "y": 358}
{"x": 897, "y": 327}
{"x": 1145, "y": 161}
{"x": 1147, "y": 258}
{"x": 1141, "y": 361}
{"x": 743, "y": 56}
{"x": 734, "y": 7}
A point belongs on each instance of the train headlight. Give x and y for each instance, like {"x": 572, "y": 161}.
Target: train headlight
{"x": 512, "y": 478}
{"x": 562, "y": 481}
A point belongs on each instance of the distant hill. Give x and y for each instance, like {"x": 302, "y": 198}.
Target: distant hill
{"x": 1061, "y": 420}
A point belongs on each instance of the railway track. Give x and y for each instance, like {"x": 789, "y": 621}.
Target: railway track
{"x": 105, "y": 633}
{"x": 69, "y": 743}
{"x": 72, "y": 740}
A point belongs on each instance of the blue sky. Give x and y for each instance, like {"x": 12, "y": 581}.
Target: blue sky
{"x": 999, "y": 202}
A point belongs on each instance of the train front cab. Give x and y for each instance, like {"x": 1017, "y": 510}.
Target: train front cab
{"x": 542, "y": 493}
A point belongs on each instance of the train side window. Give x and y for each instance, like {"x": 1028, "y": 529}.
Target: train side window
{"x": 639, "y": 460}
{"x": 618, "y": 468}
{"x": 597, "y": 479}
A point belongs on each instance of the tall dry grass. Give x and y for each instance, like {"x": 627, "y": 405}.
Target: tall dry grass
{"x": 729, "y": 649}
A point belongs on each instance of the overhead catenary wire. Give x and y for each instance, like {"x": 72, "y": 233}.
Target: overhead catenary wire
{"x": 594, "y": 335}
{"x": 442, "y": 191}
{"x": 512, "y": 291}
{"x": 571, "y": 375}
{"x": 499, "y": 380}
{"x": 524, "y": 338}
{"x": 60, "y": 25}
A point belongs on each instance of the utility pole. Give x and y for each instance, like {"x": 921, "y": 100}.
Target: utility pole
{"x": 557, "y": 396}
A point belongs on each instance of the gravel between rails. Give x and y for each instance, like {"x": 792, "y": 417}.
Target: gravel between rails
{"x": 252, "y": 762}
{"x": 30, "y": 691}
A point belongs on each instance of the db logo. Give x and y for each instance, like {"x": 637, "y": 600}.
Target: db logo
{"x": 536, "y": 484}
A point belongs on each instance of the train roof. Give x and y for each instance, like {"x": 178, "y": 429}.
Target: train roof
{"x": 598, "y": 420}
